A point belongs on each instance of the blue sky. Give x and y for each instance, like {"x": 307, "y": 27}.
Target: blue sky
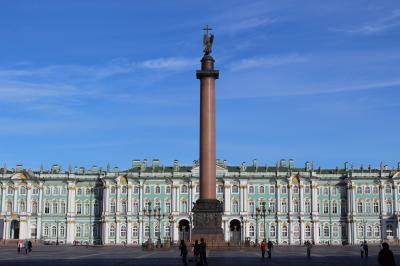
{"x": 91, "y": 82}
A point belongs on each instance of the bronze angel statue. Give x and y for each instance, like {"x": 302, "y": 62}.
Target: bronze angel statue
{"x": 208, "y": 41}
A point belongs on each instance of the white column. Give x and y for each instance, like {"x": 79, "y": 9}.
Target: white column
{"x": 178, "y": 202}
{"x": 117, "y": 199}
{"x": 71, "y": 198}
{"x": 383, "y": 198}
{"x": 141, "y": 203}
{"x": 226, "y": 231}
{"x": 349, "y": 199}
{"x": 117, "y": 232}
{"x": 316, "y": 232}
{"x": 3, "y": 198}
{"x": 290, "y": 232}
{"x": 129, "y": 232}
{"x": 301, "y": 203}
{"x": 278, "y": 232}
{"x": 355, "y": 233}
{"x": 71, "y": 213}
{"x": 15, "y": 203}
{"x": 227, "y": 196}
{"x": 70, "y": 232}
{"x": 301, "y": 232}
{"x": 130, "y": 203}
{"x": 350, "y": 233}
{"x": 40, "y": 203}
{"x": 106, "y": 198}
{"x": 314, "y": 188}
{"x": 28, "y": 204}
{"x": 105, "y": 232}
{"x": 395, "y": 197}
{"x": 278, "y": 198}
{"x": 174, "y": 200}
{"x": 190, "y": 196}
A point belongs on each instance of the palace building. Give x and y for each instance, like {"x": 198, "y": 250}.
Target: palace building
{"x": 285, "y": 204}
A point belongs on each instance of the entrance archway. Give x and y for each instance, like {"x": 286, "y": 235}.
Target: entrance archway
{"x": 14, "y": 232}
{"x": 235, "y": 230}
{"x": 184, "y": 230}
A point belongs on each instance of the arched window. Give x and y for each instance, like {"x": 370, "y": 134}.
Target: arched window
{"x": 63, "y": 207}
{"x": 235, "y": 189}
{"x": 251, "y": 230}
{"x": 295, "y": 206}
{"x": 335, "y": 230}
{"x": 326, "y": 230}
{"x": 135, "y": 207}
{"x": 272, "y": 206}
{"x": 62, "y": 231}
{"x": 388, "y": 189}
{"x": 334, "y": 207}
{"x": 367, "y": 190}
{"x": 221, "y": 189}
{"x": 9, "y": 206}
{"x": 377, "y": 230}
{"x": 125, "y": 189}
{"x": 359, "y": 190}
{"x": 369, "y": 231}
{"x": 184, "y": 206}
{"x": 308, "y": 206}
{"x": 22, "y": 190}
{"x": 87, "y": 208}
{"x": 284, "y": 231}
{"x": 87, "y": 191}
{"x": 167, "y": 232}
{"x": 251, "y": 189}
{"x": 389, "y": 206}
{"x": 272, "y": 230}
{"x": 147, "y": 189}
{"x": 284, "y": 206}
{"x": 123, "y": 230}
{"x": 78, "y": 232}
{"x": 79, "y": 208}
{"x": 157, "y": 230}
{"x": 235, "y": 207}
{"x": 326, "y": 207}
{"x": 55, "y": 207}
{"x": 251, "y": 206}
{"x": 167, "y": 207}
{"x": 147, "y": 231}
{"x": 308, "y": 230}
{"x": 135, "y": 231}
{"x": 79, "y": 192}
{"x": 184, "y": 189}
{"x": 360, "y": 230}
{"x": 34, "y": 207}
{"x": 295, "y": 189}
{"x": 53, "y": 231}
{"x": 55, "y": 190}
{"x": 113, "y": 206}
{"x": 22, "y": 206}
{"x": 376, "y": 206}
{"x": 261, "y": 190}
{"x": 112, "y": 230}
{"x": 157, "y": 205}
{"x": 360, "y": 207}
{"x": 124, "y": 207}
{"x": 375, "y": 190}
{"x": 47, "y": 207}
{"x": 389, "y": 230}
{"x": 368, "y": 206}
{"x": 158, "y": 190}
{"x": 46, "y": 230}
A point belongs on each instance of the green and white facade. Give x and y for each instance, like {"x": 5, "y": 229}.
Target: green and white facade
{"x": 107, "y": 206}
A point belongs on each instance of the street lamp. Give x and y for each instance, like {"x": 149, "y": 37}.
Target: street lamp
{"x": 57, "y": 222}
{"x": 241, "y": 229}
{"x": 256, "y": 215}
{"x": 364, "y": 227}
{"x": 171, "y": 222}
{"x": 147, "y": 212}
{"x": 158, "y": 216}
{"x": 138, "y": 228}
{"x": 190, "y": 226}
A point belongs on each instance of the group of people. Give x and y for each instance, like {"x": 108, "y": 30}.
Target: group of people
{"x": 266, "y": 246}
{"x": 24, "y": 246}
{"x": 199, "y": 252}
{"x": 364, "y": 249}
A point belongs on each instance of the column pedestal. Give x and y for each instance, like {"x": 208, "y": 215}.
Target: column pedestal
{"x": 208, "y": 221}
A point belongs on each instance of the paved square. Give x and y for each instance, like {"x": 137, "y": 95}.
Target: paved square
{"x": 103, "y": 255}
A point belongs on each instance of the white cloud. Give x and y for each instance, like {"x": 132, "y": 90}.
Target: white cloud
{"x": 380, "y": 25}
{"x": 269, "y": 61}
{"x": 171, "y": 63}
{"x": 248, "y": 24}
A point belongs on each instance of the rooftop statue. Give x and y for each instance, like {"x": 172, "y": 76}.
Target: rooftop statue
{"x": 208, "y": 41}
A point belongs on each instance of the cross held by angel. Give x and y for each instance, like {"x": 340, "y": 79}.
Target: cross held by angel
{"x": 208, "y": 41}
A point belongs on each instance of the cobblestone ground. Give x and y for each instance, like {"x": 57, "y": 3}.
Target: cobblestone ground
{"x": 69, "y": 255}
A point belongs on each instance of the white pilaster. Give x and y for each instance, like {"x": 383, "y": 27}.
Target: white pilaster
{"x": 227, "y": 197}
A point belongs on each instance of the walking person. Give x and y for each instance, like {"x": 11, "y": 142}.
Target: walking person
{"x": 365, "y": 246}
{"x": 263, "y": 248}
{"x": 19, "y": 246}
{"x": 309, "y": 246}
{"x": 30, "y": 246}
{"x": 269, "y": 248}
{"x": 26, "y": 246}
{"x": 196, "y": 251}
{"x": 385, "y": 256}
{"x": 203, "y": 252}
{"x": 184, "y": 252}
{"x": 362, "y": 250}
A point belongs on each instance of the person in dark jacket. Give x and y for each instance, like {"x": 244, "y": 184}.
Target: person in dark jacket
{"x": 203, "y": 252}
{"x": 365, "y": 247}
{"x": 263, "y": 248}
{"x": 196, "y": 251}
{"x": 269, "y": 248}
{"x": 184, "y": 252}
{"x": 385, "y": 256}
